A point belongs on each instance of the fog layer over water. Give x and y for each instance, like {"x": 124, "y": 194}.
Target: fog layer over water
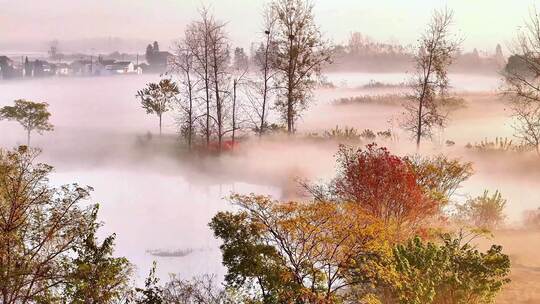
{"x": 154, "y": 200}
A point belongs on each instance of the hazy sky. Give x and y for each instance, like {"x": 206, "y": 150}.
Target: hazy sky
{"x": 483, "y": 23}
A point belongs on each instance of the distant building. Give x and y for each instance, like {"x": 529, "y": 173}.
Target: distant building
{"x": 157, "y": 60}
{"x": 63, "y": 69}
{"x": 6, "y": 68}
{"x": 121, "y": 67}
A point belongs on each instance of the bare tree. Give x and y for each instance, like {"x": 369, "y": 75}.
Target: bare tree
{"x": 219, "y": 65}
{"x": 183, "y": 64}
{"x": 198, "y": 40}
{"x": 523, "y": 84}
{"x": 300, "y": 53}
{"x": 262, "y": 87}
{"x": 436, "y": 51}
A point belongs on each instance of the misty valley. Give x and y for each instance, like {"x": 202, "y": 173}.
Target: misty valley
{"x": 302, "y": 170}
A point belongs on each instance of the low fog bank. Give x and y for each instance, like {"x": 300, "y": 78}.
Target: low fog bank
{"x": 154, "y": 197}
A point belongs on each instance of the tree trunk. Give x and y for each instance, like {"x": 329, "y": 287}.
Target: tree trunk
{"x": 159, "y": 124}
{"x": 28, "y": 138}
{"x": 235, "y": 83}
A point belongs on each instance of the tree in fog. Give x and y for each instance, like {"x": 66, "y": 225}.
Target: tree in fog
{"x": 198, "y": 42}
{"x": 219, "y": 65}
{"x": 183, "y": 64}
{"x": 240, "y": 59}
{"x": 436, "y": 51}
{"x": 262, "y": 86}
{"x": 239, "y": 80}
{"x": 301, "y": 52}
{"x": 33, "y": 116}
{"x": 40, "y": 226}
{"x": 523, "y": 84}
{"x": 156, "y": 98}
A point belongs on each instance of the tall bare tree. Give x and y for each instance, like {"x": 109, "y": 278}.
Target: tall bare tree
{"x": 436, "y": 51}
{"x": 198, "y": 40}
{"x": 301, "y": 51}
{"x": 183, "y": 64}
{"x": 219, "y": 67}
{"x": 523, "y": 82}
{"x": 262, "y": 86}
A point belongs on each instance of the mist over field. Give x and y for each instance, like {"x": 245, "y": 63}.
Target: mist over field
{"x": 158, "y": 193}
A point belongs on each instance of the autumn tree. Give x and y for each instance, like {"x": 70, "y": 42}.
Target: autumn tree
{"x": 157, "y": 98}
{"x": 40, "y": 227}
{"x": 384, "y": 185}
{"x": 299, "y": 252}
{"x": 300, "y": 53}
{"x": 522, "y": 82}
{"x": 439, "y": 175}
{"x": 33, "y": 116}
{"x": 436, "y": 51}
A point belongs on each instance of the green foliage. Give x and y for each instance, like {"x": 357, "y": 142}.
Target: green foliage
{"x": 97, "y": 276}
{"x": 248, "y": 260}
{"x": 485, "y": 211}
{"x": 33, "y": 116}
{"x": 152, "y": 293}
{"x": 156, "y": 98}
{"x": 453, "y": 272}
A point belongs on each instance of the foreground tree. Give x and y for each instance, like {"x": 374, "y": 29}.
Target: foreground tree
{"x": 156, "y": 98}
{"x": 297, "y": 252}
{"x": 436, "y": 51}
{"x": 522, "y": 82}
{"x": 453, "y": 272}
{"x": 300, "y": 52}
{"x": 33, "y": 116}
{"x": 97, "y": 276}
{"x": 40, "y": 227}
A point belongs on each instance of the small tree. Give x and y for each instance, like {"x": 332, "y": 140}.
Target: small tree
{"x": 485, "y": 211}
{"x": 33, "y": 116}
{"x": 157, "y": 97}
{"x": 152, "y": 293}
{"x": 436, "y": 51}
{"x": 97, "y": 276}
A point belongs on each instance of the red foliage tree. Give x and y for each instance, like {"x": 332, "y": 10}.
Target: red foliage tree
{"x": 385, "y": 185}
